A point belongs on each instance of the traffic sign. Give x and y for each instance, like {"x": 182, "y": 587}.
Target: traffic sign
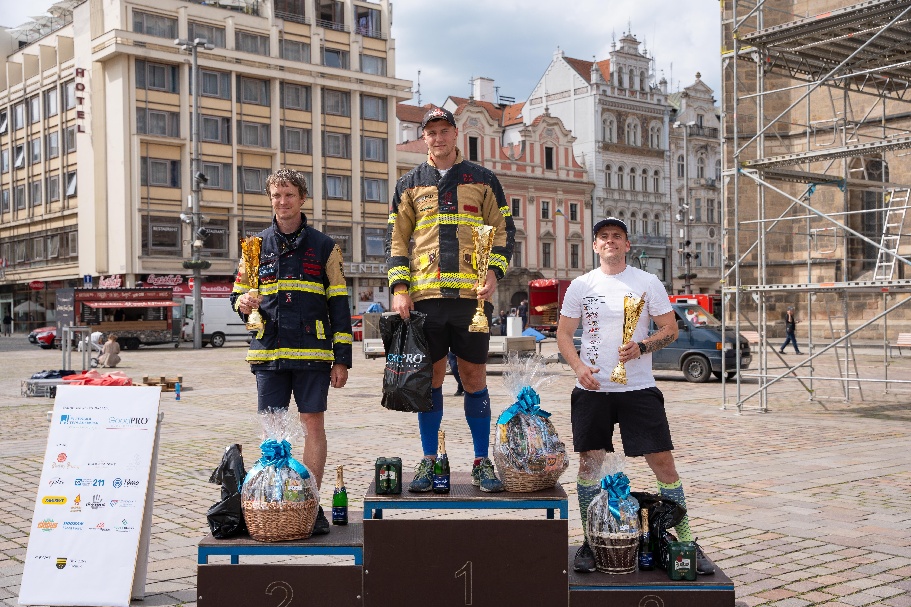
{"x": 87, "y": 280}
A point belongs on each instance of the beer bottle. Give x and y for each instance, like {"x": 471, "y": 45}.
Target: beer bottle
{"x": 646, "y": 556}
{"x": 339, "y": 500}
{"x": 441, "y": 466}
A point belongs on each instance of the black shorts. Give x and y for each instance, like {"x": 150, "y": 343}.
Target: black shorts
{"x": 640, "y": 413}
{"x": 447, "y": 328}
{"x": 310, "y": 388}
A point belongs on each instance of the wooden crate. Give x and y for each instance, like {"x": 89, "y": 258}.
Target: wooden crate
{"x": 167, "y": 383}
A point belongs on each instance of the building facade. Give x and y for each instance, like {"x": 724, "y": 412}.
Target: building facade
{"x": 95, "y": 121}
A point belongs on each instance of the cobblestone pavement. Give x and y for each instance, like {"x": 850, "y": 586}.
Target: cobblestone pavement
{"x": 805, "y": 505}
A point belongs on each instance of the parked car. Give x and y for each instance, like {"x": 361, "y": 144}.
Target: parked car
{"x": 33, "y": 336}
{"x": 45, "y": 339}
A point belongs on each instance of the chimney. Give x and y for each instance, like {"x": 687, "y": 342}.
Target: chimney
{"x": 483, "y": 90}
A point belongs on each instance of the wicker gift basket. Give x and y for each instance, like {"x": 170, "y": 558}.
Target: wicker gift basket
{"x": 279, "y": 496}
{"x": 528, "y": 453}
{"x": 613, "y": 521}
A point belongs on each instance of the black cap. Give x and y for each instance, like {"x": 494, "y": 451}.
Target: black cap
{"x": 610, "y": 221}
{"x": 437, "y": 113}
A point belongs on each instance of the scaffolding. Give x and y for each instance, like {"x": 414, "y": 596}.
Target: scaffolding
{"x": 816, "y": 118}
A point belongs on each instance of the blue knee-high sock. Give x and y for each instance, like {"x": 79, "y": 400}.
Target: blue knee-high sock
{"x": 477, "y": 414}
{"x": 429, "y": 422}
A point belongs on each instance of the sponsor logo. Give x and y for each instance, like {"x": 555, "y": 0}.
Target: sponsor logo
{"x": 61, "y": 457}
{"x": 61, "y": 562}
{"x": 408, "y": 359}
{"x": 47, "y": 524}
{"x": 76, "y": 420}
{"x": 96, "y": 502}
{"x": 125, "y": 482}
{"x": 122, "y": 503}
{"x": 73, "y": 525}
{"x": 53, "y": 500}
{"x": 101, "y": 464}
{"x": 124, "y": 526}
{"x": 55, "y": 481}
{"x": 77, "y": 504}
{"x": 42, "y": 557}
{"x": 128, "y": 421}
{"x": 89, "y": 482}
{"x": 100, "y": 527}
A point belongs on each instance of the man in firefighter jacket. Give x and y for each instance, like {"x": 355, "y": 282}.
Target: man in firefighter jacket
{"x": 305, "y": 345}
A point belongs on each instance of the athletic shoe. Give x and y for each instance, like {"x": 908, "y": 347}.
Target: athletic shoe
{"x": 459, "y": 392}
{"x": 584, "y": 561}
{"x": 321, "y": 526}
{"x": 423, "y": 476}
{"x": 704, "y": 565}
{"x": 483, "y": 476}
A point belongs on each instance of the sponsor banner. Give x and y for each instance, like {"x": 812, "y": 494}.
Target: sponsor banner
{"x": 88, "y": 516}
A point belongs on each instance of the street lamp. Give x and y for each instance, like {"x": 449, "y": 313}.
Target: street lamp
{"x": 687, "y": 285}
{"x": 643, "y": 260}
{"x": 197, "y": 264}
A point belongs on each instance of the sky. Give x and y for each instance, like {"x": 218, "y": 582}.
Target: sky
{"x": 513, "y": 41}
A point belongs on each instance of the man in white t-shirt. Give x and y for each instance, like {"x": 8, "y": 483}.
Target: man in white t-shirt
{"x": 597, "y": 403}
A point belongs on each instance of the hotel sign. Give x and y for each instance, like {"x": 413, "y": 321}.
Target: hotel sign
{"x": 364, "y": 269}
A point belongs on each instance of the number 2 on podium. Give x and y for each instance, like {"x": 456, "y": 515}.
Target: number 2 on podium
{"x": 466, "y": 572}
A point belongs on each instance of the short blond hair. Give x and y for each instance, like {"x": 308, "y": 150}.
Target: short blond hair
{"x": 287, "y": 176}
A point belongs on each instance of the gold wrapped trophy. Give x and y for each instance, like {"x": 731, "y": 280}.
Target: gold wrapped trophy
{"x": 482, "y": 236}
{"x": 250, "y": 248}
{"x": 632, "y": 310}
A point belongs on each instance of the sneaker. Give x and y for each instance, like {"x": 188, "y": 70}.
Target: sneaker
{"x": 584, "y": 561}
{"x": 704, "y": 565}
{"x": 423, "y": 476}
{"x": 321, "y": 526}
{"x": 483, "y": 476}
{"x": 459, "y": 392}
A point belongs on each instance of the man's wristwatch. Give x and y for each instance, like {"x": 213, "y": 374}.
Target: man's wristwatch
{"x": 641, "y": 345}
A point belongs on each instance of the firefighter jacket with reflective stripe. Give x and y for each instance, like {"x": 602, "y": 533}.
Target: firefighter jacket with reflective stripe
{"x": 305, "y": 301}
{"x": 438, "y": 212}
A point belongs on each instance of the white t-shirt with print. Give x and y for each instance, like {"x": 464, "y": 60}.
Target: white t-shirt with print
{"x": 597, "y": 298}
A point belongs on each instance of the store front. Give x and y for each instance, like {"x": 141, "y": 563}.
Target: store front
{"x": 32, "y": 304}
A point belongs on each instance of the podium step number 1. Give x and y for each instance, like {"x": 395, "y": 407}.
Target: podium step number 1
{"x": 89, "y": 539}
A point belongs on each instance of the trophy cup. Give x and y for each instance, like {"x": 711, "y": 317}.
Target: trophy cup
{"x": 250, "y": 247}
{"x": 632, "y": 310}
{"x": 483, "y": 243}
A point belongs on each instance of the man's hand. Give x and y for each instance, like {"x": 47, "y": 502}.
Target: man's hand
{"x": 629, "y": 351}
{"x": 246, "y": 303}
{"x": 490, "y": 287}
{"x": 338, "y": 376}
{"x": 402, "y": 304}
{"x": 586, "y": 376}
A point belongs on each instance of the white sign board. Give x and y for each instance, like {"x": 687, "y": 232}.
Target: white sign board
{"x": 85, "y": 534}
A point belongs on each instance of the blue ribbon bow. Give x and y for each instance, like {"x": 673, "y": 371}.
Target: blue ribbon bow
{"x": 277, "y": 454}
{"x": 527, "y": 402}
{"x": 617, "y": 487}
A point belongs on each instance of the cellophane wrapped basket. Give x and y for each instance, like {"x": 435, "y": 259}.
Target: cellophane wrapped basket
{"x": 527, "y": 451}
{"x": 279, "y": 496}
{"x": 613, "y": 521}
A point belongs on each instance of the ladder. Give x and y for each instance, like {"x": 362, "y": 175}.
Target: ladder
{"x": 894, "y": 207}
{"x": 844, "y": 354}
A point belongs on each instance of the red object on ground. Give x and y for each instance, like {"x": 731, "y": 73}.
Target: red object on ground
{"x": 94, "y": 378}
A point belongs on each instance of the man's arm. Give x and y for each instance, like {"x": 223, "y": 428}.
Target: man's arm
{"x": 664, "y": 336}
{"x": 496, "y": 212}
{"x": 398, "y": 237}
{"x": 565, "y": 329}
{"x": 339, "y": 312}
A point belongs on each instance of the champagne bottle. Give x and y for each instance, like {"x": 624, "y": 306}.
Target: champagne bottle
{"x": 441, "y": 466}
{"x": 646, "y": 556}
{"x": 339, "y": 500}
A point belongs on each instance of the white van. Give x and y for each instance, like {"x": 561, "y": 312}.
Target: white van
{"x": 220, "y": 323}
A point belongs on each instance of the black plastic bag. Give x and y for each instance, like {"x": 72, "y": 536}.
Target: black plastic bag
{"x": 409, "y": 370}
{"x": 663, "y": 514}
{"x": 52, "y": 374}
{"x": 226, "y": 518}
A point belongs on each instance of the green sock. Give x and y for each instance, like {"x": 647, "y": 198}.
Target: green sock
{"x": 586, "y": 490}
{"x": 674, "y": 491}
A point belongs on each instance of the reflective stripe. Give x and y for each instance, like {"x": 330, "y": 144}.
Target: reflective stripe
{"x": 399, "y": 273}
{"x": 392, "y": 217}
{"x": 292, "y": 285}
{"x": 342, "y": 338}
{"x": 239, "y": 288}
{"x": 452, "y": 280}
{"x": 289, "y": 353}
{"x": 448, "y": 219}
{"x": 336, "y": 290}
{"x": 320, "y": 330}
{"x": 498, "y": 261}
{"x": 505, "y": 212}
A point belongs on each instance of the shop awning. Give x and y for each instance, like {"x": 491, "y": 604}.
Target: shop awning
{"x": 132, "y": 304}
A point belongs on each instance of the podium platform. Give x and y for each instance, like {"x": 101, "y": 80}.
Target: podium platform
{"x": 465, "y": 496}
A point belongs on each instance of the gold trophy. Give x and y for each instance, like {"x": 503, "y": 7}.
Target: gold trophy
{"x": 483, "y": 243}
{"x": 632, "y": 310}
{"x": 250, "y": 247}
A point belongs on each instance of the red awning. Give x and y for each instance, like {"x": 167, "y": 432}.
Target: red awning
{"x": 132, "y": 304}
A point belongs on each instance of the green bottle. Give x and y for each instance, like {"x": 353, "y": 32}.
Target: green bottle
{"x": 441, "y": 466}
{"x": 339, "y": 500}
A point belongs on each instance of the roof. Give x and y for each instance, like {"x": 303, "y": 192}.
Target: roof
{"x": 673, "y": 100}
{"x": 411, "y": 113}
{"x": 417, "y": 145}
{"x": 512, "y": 114}
{"x": 494, "y": 111}
{"x": 584, "y": 68}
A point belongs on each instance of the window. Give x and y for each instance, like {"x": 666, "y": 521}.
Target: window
{"x": 548, "y": 158}
{"x": 374, "y": 244}
{"x": 336, "y": 103}
{"x": 254, "y": 91}
{"x": 154, "y": 25}
{"x": 218, "y": 174}
{"x": 338, "y": 187}
{"x": 337, "y": 145}
{"x": 331, "y": 14}
{"x": 21, "y": 255}
{"x": 609, "y": 129}
{"x": 53, "y": 246}
{"x": 516, "y": 207}
{"x": 160, "y": 235}
{"x": 369, "y": 22}
{"x": 69, "y": 139}
{"x": 632, "y": 132}
{"x": 608, "y": 177}
{"x": 632, "y": 179}
{"x": 697, "y": 257}
{"x": 19, "y": 197}
{"x": 342, "y": 237}
{"x": 374, "y": 148}
{"x": 375, "y": 190}
{"x": 681, "y": 167}
{"x": 4, "y": 201}
{"x": 38, "y": 247}
{"x": 252, "y": 180}
{"x": 4, "y": 160}
{"x": 295, "y": 96}
{"x": 654, "y": 136}
{"x": 710, "y": 254}
{"x": 19, "y": 156}
{"x": 18, "y": 116}
{"x": 699, "y": 119}
{"x": 545, "y": 254}
{"x": 700, "y": 167}
{"x": 644, "y": 180}
{"x": 656, "y": 225}
{"x": 253, "y": 133}
{"x": 697, "y": 209}
{"x": 620, "y": 178}
{"x": 656, "y": 181}
{"x": 252, "y": 228}
{"x": 574, "y": 256}
{"x": 156, "y": 76}
{"x": 374, "y": 108}
{"x": 212, "y": 33}
{"x": 292, "y": 10}
{"x": 53, "y": 188}
{"x": 718, "y": 170}
{"x": 216, "y": 243}
{"x": 633, "y": 223}
{"x": 251, "y": 43}
{"x": 34, "y": 147}
{"x": 473, "y": 149}
{"x": 545, "y": 209}
{"x": 156, "y": 122}
{"x": 69, "y": 92}
{"x": 215, "y": 128}
{"x": 710, "y": 210}
{"x": 295, "y": 51}
{"x": 573, "y": 211}
{"x": 159, "y": 172}
{"x": 4, "y": 122}
{"x": 52, "y": 143}
{"x": 371, "y": 64}
{"x": 214, "y": 84}
{"x": 34, "y": 193}
{"x": 333, "y": 57}
{"x": 34, "y": 109}
{"x": 296, "y": 140}
{"x": 517, "y": 255}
